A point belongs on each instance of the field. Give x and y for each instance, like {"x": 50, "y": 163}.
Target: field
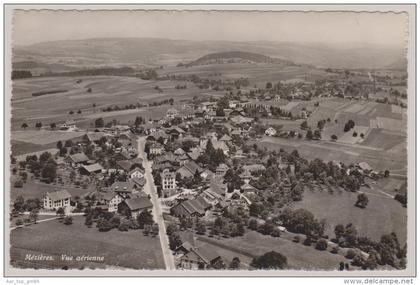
{"x": 106, "y": 91}
{"x": 33, "y": 189}
{"x": 382, "y": 215}
{"x": 120, "y": 249}
{"x": 299, "y": 256}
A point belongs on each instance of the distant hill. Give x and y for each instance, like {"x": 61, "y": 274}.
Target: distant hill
{"x": 117, "y": 52}
{"x": 237, "y": 56}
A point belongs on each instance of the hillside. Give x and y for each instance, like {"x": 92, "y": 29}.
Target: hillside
{"x": 237, "y": 56}
{"x": 77, "y": 54}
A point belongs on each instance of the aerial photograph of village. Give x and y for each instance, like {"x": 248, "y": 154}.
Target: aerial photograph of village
{"x": 208, "y": 141}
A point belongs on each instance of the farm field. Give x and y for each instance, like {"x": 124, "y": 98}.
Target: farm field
{"x": 120, "y": 249}
{"x": 34, "y": 189}
{"x": 106, "y": 91}
{"x": 29, "y": 141}
{"x": 346, "y": 153}
{"x": 382, "y": 215}
{"x": 298, "y": 255}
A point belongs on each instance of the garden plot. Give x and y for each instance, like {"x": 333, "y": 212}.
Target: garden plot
{"x": 44, "y": 136}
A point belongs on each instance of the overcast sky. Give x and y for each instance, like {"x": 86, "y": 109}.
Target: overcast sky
{"x": 387, "y": 29}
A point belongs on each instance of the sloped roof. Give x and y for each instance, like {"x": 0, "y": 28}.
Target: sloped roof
{"x": 79, "y": 157}
{"x": 179, "y": 151}
{"x": 139, "y": 203}
{"x": 93, "y": 167}
{"x": 95, "y": 136}
{"x": 59, "y": 195}
{"x": 225, "y": 138}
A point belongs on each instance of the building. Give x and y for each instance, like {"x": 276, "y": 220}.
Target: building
{"x": 221, "y": 170}
{"x": 168, "y": 182}
{"x": 156, "y": 149}
{"x": 172, "y": 113}
{"x": 57, "y": 199}
{"x": 200, "y": 258}
{"x": 191, "y": 208}
{"x": 270, "y": 132}
{"x": 77, "y": 159}
{"x": 68, "y": 125}
{"x": 133, "y": 207}
{"x": 111, "y": 200}
{"x": 136, "y": 173}
{"x": 90, "y": 169}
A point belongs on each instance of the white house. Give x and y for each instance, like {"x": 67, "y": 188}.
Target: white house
{"x": 270, "y": 132}
{"x": 57, "y": 199}
{"x": 136, "y": 173}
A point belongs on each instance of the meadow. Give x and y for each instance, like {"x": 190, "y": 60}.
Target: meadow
{"x": 382, "y": 215}
{"x": 120, "y": 249}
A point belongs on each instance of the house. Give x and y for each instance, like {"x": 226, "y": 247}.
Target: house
{"x": 168, "y": 182}
{"x": 194, "y": 154}
{"x": 111, "y": 200}
{"x": 220, "y": 145}
{"x": 172, "y": 113}
{"x": 270, "y": 132}
{"x": 90, "y": 169}
{"x": 183, "y": 249}
{"x": 179, "y": 151}
{"x": 133, "y": 207}
{"x": 57, "y": 199}
{"x": 189, "y": 169}
{"x": 254, "y": 167}
{"x": 77, "y": 159}
{"x": 191, "y": 208}
{"x": 225, "y": 138}
{"x": 126, "y": 189}
{"x": 200, "y": 258}
{"x": 136, "y": 173}
{"x": 156, "y": 149}
{"x": 364, "y": 166}
{"x": 68, "y": 125}
{"x": 221, "y": 170}
{"x": 95, "y": 137}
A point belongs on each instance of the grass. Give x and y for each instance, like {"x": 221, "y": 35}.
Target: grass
{"x": 299, "y": 256}
{"x": 120, "y": 249}
{"x": 33, "y": 189}
{"x": 382, "y": 215}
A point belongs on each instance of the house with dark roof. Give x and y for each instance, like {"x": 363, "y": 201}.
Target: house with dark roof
{"x": 133, "y": 207}
{"x": 189, "y": 169}
{"x": 91, "y": 169}
{"x": 191, "y": 208}
{"x": 57, "y": 199}
{"x": 200, "y": 258}
{"x": 77, "y": 159}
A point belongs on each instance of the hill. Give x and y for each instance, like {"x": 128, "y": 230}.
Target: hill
{"x": 134, "y": 52}
{"x": 237, "y": 56}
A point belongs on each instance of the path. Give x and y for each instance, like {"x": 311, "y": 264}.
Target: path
{"x": 150, "y": 189}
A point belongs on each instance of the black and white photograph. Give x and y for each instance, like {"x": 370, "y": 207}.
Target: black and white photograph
{"x": 209, "y": 140}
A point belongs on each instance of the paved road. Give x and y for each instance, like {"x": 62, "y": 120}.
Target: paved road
{"x": 150, "y": 189}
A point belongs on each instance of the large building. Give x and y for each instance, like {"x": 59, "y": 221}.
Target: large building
{"x": 168, "y": 182}
{"x": 57, "y": 199}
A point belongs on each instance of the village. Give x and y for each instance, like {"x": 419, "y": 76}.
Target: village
{"x": 200, "y": 171}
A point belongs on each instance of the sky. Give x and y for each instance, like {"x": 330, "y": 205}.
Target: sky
{"x": 383, "y": 29}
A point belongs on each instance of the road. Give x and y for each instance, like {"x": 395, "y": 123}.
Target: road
{"x": 150, "y": 189}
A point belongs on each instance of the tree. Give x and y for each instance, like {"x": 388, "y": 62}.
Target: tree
{"x": 145, "y": 218}
{"x": 33, "y": 215}
{"x": 79, "y": 111}
{"x": 38, "y": 125}
{"x": 339, "y": 232}
{"x": 269, "y": 85}
{"x": 24, "y": 126}
{"x": 253, "y": 224}
{"x": 99, "y": 123}
{"x": 71, "y": 112}
{"x": 201, "y": 228}
{"x": 59, "y": 145}
{"x": 174, "y": 241}
{"x": 362, "y": 201}
{"x": 60, "y": 212}
{"x": 270, "y": 260}
{"x": 386, "y": 173}
{"x": 235, "y": 263}
{"x": 334, "y": 137}
{"x": 103, "y": 225}
{"x": 321, "y": 244}
{"x": 309, "y": 135}
{"x": 53, "y": 126}
{"x": 304, "y": 125}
